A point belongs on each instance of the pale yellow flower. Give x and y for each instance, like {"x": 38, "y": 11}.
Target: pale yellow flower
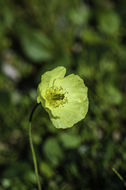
{"x": 64, "y": 98}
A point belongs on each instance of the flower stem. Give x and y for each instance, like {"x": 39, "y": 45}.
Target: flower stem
{"x": 32, "y": 148}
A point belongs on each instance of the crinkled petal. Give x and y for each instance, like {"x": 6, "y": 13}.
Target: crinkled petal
{"x": 77, "y": 105}
{"x": 48, "y": 79}
{"x": 70, "y": 114}
{"x": 75, "y": 87}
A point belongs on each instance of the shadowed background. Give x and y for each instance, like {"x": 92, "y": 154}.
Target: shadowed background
{"x": 88, "y": 38}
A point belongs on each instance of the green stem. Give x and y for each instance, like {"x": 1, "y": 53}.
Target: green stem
{"x": 32, "y": 149}
{"x": 119, "y": 176}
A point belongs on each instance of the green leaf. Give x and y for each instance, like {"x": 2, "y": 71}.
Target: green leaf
{"x": 46, "y": 170}
{"x": 53, "y": 151}
{"x": 69, "y": 140}
{"x": 90, "y": 36}
{"x": 35, "y": 45}
{"x": 80, "y": 16}
{"x": 109, "y": 23}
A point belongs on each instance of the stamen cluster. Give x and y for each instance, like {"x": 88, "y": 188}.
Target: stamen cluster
{"x": 56, "y": 96}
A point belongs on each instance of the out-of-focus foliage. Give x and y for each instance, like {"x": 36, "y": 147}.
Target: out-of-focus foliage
{"x": 88, "y": 38}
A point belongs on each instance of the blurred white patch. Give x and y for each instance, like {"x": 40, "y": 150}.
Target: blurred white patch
{"x": 83, "y": 149}
{"x": 10, "y": 71}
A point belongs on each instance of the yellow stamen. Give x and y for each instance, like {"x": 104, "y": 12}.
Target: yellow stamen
{"x": 56, "y": 96}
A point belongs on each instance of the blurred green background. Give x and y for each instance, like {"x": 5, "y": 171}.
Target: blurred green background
{"x": 88, "y": 38}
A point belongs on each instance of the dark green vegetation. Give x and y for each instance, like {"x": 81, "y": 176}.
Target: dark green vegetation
{"x": 88, "y": 38}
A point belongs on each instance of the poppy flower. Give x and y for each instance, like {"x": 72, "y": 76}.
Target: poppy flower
{"x": 64, "y": 98}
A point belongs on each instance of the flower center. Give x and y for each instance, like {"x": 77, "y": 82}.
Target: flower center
{"x": 56, "y": 97}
